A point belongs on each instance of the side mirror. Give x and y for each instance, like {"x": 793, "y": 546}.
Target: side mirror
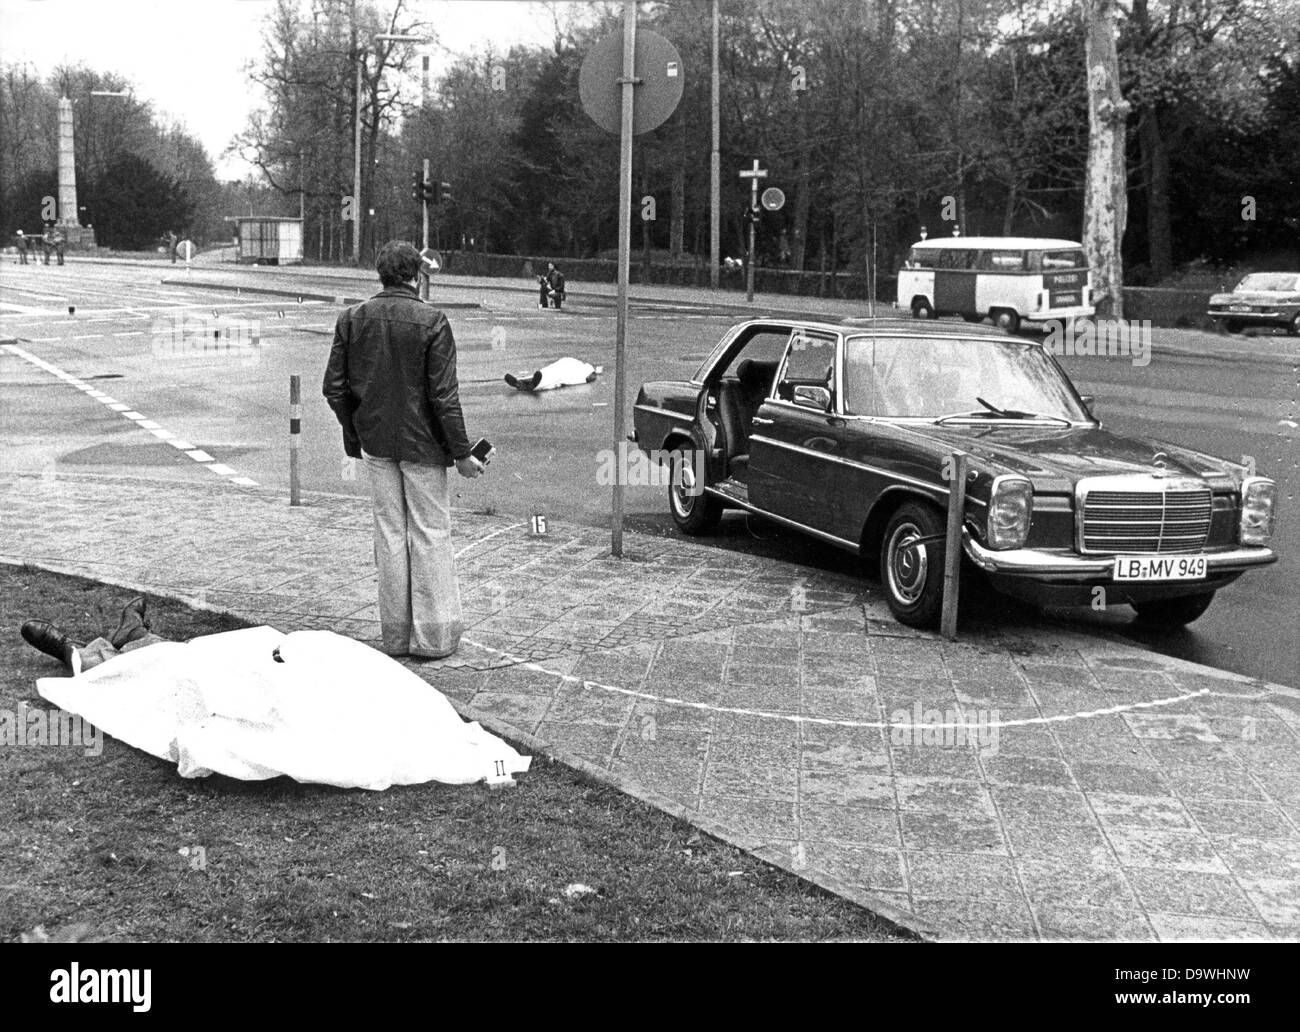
{"x": 818, "y": 398}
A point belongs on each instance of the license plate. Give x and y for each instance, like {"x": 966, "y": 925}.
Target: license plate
{"x": 1159, "y": 567}
{"x": 1239, "y": 308}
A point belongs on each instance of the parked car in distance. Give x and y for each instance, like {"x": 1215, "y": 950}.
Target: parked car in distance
{"x": 1260, "y": 299}
{"x": 843, "y": 431}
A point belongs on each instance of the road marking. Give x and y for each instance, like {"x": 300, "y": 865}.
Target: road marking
{"x": 139, "y": 418}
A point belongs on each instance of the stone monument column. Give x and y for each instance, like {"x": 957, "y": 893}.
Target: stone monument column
{"x": 77, "y": 235}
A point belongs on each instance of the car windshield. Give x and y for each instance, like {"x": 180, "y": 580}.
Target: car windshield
{"x": 927, "y": 378}
{"x": 1270, "y": 281}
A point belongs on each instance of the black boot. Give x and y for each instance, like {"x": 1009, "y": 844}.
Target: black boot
{"x": 43, "y": 635}
{"x": 132, "y": 625}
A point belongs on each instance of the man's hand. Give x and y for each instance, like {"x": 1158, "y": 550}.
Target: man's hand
{"x": 469, "y": 467}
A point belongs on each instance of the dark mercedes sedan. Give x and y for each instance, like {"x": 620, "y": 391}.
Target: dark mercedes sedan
{"x": 845, "y": 431}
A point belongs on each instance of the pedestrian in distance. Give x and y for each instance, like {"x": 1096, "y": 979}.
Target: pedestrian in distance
{"x": 20, "y": 239}
{"x": 550, "y": 287}
{"x": 391, "y": 381}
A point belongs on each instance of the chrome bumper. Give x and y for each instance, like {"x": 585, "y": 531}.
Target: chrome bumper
{"x": 1041, "y": 564}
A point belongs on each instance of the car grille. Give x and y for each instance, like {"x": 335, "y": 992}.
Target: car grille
{"x": 1176, "y": 520}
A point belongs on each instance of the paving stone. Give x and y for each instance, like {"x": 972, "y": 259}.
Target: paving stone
{"x": 962, "y": 876}
{"x": 1165, "y": 850}
{"x": 1031, "y": 803}
{"x": 940, "y": 832}
{"x": 862, "y": 866}
{"x": 1192, "y": 893}
{"x": 1063, "y": 923}
{"x": 859, "y": 825}
{"x": 1183, "y": 928}
{"x": 944, "y": 795}
{"x": 1043, "y": 771}
{"x": 840, "y": 787}
{"x": 1058, "y": 842}
{"x": 1116, "y": 809}
{"x": 1121, "y": 778}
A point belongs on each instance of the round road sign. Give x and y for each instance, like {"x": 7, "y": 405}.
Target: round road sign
{"x": 657, "y": 65}
{"x": 773, "y": 198}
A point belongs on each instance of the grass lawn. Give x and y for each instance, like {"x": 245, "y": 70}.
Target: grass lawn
{"x": 122, "y": 845}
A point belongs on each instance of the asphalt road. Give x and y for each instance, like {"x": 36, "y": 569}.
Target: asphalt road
{"x": 232, "y": 403}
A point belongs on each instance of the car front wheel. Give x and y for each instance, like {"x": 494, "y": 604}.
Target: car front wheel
{"x": 694, "y": 511}
{"x": 1173, "y": 612}
{"x": 1293, "y": 327}
{"x": 912, "y": 574}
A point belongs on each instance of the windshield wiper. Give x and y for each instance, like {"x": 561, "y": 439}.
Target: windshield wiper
{"x": 993, "y": 412}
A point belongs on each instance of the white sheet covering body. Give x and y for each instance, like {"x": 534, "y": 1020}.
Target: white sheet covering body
{"x": 336, "y": 712}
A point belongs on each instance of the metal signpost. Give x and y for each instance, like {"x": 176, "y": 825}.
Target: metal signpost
{"x": 753, "y": 175}
{"x": 607, "y": 85}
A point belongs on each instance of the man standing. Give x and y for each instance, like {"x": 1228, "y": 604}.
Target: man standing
{"x": 21, "y": 239}
{"x": 391, "y": 381}
{"x": 555, "y": 283}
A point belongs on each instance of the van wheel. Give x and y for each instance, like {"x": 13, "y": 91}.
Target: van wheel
{"x": 693, "y": 510}
{"x": 1006, "y": 319}
{"x": 922, "y": 309}
{"x": 912, "y": 575}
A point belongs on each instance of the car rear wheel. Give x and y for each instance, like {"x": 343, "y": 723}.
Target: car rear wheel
{"x": 922, "y": 309}
{"x": 1006, "y": 319}
{"x": 912, "y": 574}
{"x": 1232, "y": 325}
{"x": 1173, "y": 612}
{"x": 694, "y": 511}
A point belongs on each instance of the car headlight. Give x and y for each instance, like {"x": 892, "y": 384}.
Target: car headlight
{"x": 1258, "y": 502}
{"x": 1011, "y": 507}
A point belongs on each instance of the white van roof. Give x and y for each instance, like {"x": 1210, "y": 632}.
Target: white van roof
{"x": 1002, "y": 243}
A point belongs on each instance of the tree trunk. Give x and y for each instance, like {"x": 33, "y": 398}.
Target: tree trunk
{"x": 1155, "y": 158}
{"x": 1105, "y": 207}
{"x": 802, "y": 193}
{"x": 677, "y": 223}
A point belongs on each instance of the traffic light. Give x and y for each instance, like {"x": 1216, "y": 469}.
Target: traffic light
{"x": 445, "y": 196}
{"x": 417, "y": 186}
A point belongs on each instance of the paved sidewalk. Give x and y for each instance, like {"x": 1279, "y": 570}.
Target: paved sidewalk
{"x": 1103, "y": 792}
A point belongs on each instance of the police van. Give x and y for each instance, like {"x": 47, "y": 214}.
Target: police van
{"x": 1006, "y": 279}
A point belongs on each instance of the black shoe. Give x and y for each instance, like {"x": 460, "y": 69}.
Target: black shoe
{"x": 45, "y": 637}
{"x": 132, "y": 625}
{"x": 527, "y": 383}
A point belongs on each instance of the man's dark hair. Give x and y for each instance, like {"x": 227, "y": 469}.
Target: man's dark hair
{"x": 398, "y": 262}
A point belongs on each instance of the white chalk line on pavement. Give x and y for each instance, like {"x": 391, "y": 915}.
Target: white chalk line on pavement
{"x": 795, "y": 718}
{"x": 139, "y": 418}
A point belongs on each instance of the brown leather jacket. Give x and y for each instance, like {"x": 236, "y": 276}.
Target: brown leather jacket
{"x": 391, "y": 380}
